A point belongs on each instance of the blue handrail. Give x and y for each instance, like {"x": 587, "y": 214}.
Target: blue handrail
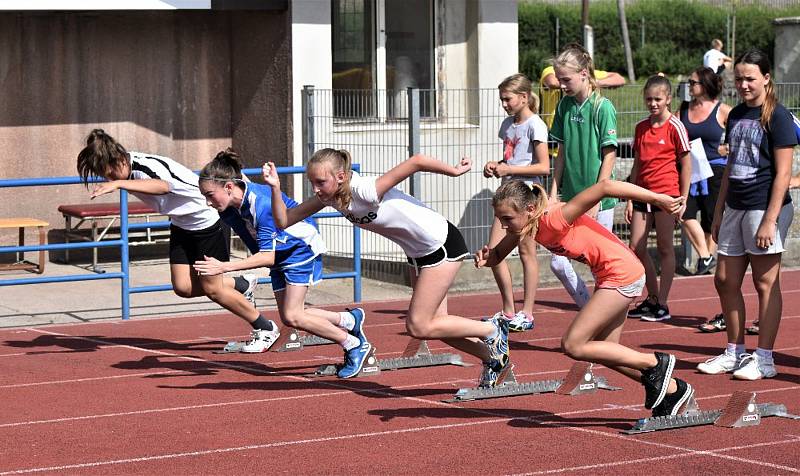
{"x": 124, "y": 274}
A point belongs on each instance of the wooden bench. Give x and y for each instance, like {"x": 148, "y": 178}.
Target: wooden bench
{"x": 23, "y": 223}
{"x": 106, "y": 212}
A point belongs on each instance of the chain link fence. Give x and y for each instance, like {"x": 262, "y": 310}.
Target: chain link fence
{"x": 382, "y": 128}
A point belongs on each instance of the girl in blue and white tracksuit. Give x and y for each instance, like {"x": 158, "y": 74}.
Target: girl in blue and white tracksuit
{"x": 294, "y": 256}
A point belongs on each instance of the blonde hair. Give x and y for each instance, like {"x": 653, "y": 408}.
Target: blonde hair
{"x": 336, "y": 160}
{"x": 575, "y": 57}
{"x": 716, "y": 43}
{"x": 520, "y": 196}
{"x": 520, "y": 84}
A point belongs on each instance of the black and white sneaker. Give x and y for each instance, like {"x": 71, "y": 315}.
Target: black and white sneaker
{"x": 657, "y": 313}
{"x": 673, "y": 402}
{"x": 252, "y": 284}
{"x": 656, "y": 379}
{"x": 705, "y": 265}
{"x": 645, "y": 307}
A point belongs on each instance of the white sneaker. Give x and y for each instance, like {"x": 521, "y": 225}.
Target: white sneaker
{"x": 520, "y": 323}
{"x": 720, "y": 364}
{"x": 261, "y": 340}
{"x": 252, "y": 284}
{"x": 754, "y": 367}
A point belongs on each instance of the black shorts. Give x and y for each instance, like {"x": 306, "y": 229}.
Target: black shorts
{"x": 454, "y": 249}
{"x": 186, "y": 247}
{"x": 705, "y": 204}
{"x": 645, "y": 207}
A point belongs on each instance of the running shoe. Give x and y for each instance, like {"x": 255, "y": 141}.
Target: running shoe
{"x": 520, "y": 323}
{"x": 498, "y": 345}
{"x": 492, "y": 372}
{"x": 754, "y": 367}
{"x": 723, "y": 363}
{"x": 644, "y": 307}
{"x": 658, "y": 313}
{"x": 358, "y": 328}
{"x": 252, "y": 284}
{"x": 261, "y": 339}
{"x": 656, "y": 379}
{"x": 354, "y": 360}
{"x": 716, "y": 324}
{"x": 673, "y": 402}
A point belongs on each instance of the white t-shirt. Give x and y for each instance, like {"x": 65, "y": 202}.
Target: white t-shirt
{"x": 417, "y": 229}
{"x": 713, "y": 59}
{"x": 518, "y": 142}
{"x": 184, "y": 204}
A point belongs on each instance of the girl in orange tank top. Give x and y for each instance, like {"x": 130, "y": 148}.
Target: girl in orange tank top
{"x": 564, "y": 229}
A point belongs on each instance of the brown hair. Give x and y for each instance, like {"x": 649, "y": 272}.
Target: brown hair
{"x": 577, "y": 58}
{"x": 226, "y": 166}
{"x": 759, "y": 58}
{"x": 336, "y": 160}
{"x": 711, "y": 82}
{"x": 519, "y": 195}
{"x": 101, "y": 153}
{"x": 521, "y": 84}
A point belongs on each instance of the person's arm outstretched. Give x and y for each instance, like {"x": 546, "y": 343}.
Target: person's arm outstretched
{"x": 419, "y": 163}
{"x": 490, "y": 257}
{"x": 286, "y": 217}
{"x": 590, "y": 197}
{"x": 149, "y": 186}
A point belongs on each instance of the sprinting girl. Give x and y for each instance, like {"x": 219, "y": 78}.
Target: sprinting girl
{"x": 433, "y": 245}
{"x": 585, "y": 127}
{"x": 195, "y": 231}
{"x": 661, "y": 164}
{"x": 594, "y": 334}
{"x": 753, "y": 215}
{"x": 293, "y": 254}
{"x": 525, "y": 157}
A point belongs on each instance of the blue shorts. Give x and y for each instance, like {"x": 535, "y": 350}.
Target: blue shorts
{"x": 306, "y": 274}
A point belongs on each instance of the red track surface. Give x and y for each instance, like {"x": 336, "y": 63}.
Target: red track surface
{"x": 149, "y": 397}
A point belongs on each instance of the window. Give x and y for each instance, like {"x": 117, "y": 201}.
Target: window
{"x": 380, "y": 48}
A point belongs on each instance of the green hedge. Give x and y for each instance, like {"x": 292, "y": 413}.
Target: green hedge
{"x": 677, "y": 33}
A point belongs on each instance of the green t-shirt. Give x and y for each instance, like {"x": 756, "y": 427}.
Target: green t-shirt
{"x": 583, "y": 130}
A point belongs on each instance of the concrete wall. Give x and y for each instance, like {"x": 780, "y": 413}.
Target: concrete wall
{"x": 787, "y": 49}
{"x": 182, "y": 84}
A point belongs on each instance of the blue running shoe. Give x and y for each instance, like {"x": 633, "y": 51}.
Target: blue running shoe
{"x": 498, "y": 346}
{"x": 354, "y": 360}
{"x": 358, "y": 329}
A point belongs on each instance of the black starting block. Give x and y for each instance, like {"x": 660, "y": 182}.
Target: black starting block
{"x": 741, "y": 410}
{"x": 416, "y": 354}
{"x": 580, "y": 380}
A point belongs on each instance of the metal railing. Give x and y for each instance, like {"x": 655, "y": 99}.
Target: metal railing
{"x": 123, "y": 244}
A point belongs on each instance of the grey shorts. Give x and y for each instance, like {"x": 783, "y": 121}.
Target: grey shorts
{"x": 634, "y": 289}
{"x": 737, "y": 232}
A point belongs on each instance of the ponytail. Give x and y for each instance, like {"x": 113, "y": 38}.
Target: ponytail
{"x": 226, "y": 166}
{"x": 521, "y": 84}
{"x": 577, "y": 58}
{"x": 336, "y": 160}
{"x": 520, "y": 196}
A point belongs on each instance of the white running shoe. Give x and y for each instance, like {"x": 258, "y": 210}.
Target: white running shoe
{"x": 261, "y": 340}
{"x": 753, "y": 367}
{"x": 520, "y": 323}
{"x": 252, "y": 284}
{"x": 720, "y": 364}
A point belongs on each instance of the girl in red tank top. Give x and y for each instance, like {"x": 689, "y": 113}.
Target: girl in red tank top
{"x": 565, "y": 229}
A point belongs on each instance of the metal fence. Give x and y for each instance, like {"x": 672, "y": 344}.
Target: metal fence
{"x": 383, "y": 128}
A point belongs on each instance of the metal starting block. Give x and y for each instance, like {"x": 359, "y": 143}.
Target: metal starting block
{"x": 291, "y": 340}
{"x": 231, "y": 347}
{"x": 416, "y": 354}
{"x": 579, "y": 380}
{"x": 741, "y": 410}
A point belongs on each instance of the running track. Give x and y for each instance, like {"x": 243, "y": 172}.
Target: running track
{"x": 150, "y": 397}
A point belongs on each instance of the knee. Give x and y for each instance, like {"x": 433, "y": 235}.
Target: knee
{"x": 764, "y": 285}
{"x": 572, "y": 348}
{"x": 181, "y": 290}
{"x": 417, "y": 330}
{"x": 292, "y": 319}
{"x": 723, "y": 284}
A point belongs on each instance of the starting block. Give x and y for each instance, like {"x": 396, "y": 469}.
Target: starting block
{"x": 416, "y": 354}
{"x": 580, "y": 380}
{"x": 371, "y": 367}
{"x": 289, "y": 340}
{"x": 741, "y": 410}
